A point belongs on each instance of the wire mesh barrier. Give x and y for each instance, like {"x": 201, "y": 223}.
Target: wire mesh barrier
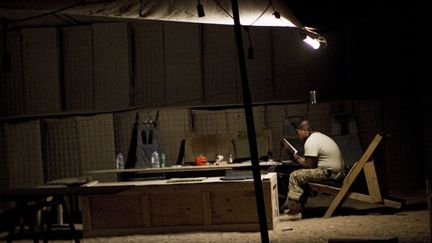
{"x": 35, "y": 151}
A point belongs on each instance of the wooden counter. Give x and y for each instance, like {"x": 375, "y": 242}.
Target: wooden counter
{"x": 164, "y": 206}
{"x": 178, "y": 171}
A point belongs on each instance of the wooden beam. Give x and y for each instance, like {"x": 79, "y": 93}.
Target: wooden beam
{"x": 353, "y": 195}
{"x": 355, "y": 171}
{"x": 372, "y": 181}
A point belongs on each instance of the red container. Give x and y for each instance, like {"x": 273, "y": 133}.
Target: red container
{"x": 200, "y": 160}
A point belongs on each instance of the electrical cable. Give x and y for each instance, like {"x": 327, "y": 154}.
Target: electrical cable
{"x": 265, "y": 10}
{"x": 221, "y": 7}
{"x": 81, "y": 2}
{"x": 48, "y": 13}
{"x": 250, "y": 49}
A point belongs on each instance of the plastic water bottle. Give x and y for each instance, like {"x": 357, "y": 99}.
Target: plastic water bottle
{"x": 120, "y": 161}
{"x": 162, "y": 160}
{"x": 270, "y": 156}
{"x": 155, "y": 159}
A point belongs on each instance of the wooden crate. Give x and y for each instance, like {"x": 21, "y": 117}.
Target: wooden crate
{"x": 161, "y": 206}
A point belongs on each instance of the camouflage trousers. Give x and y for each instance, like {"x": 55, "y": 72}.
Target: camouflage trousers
{"x": 299, "y": 178}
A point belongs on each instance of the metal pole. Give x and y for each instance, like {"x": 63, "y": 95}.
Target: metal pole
{"x": 429, "y": 203}
{"x": 250, "y": 125}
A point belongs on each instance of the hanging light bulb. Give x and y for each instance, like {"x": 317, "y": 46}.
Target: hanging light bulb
{"x": 200, "y": 10}
{"x": 314, "y": 43}
{"x": 312, "y": 38}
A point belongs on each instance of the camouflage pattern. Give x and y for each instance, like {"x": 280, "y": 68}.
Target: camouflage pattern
{"x": 300, "y": 177}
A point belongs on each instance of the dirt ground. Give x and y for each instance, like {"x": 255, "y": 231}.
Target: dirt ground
{"x": 355, "y": 220}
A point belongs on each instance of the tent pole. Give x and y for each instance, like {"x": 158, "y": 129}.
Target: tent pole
{"x": 253, "y": 148}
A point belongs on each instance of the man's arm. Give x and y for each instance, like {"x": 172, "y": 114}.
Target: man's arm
{"x": 307, "y": 162}
{"x": 287, "y": 148}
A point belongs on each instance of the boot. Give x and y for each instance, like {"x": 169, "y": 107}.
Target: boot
{"x": 293, "y": 212}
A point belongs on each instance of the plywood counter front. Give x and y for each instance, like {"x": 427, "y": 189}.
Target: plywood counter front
{"x": 164, "y": 206}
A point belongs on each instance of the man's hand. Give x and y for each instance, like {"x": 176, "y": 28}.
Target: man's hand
{"x": 288, "y": 150}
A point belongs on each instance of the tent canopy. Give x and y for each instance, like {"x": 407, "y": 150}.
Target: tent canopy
{"x": 252, "y": 12}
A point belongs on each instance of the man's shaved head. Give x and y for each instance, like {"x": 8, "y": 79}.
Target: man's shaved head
{"x": 305, "y": 124}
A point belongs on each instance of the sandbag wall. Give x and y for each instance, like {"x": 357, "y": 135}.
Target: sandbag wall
{"x": 34, "y": 151}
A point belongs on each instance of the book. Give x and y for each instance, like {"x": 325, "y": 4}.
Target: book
{"x": 290, "y": 145}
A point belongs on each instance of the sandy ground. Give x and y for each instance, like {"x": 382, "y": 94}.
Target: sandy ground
{"x": 353, "y": 221}
{"x": 406, "y": 226}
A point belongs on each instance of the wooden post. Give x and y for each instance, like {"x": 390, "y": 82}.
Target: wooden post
{"x": 247, "y": 102}
{"x": 429, "y": 202}
{"x": 372, "y": 181}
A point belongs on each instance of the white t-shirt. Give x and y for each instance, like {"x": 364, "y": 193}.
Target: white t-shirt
{"x": 327, "y": 151}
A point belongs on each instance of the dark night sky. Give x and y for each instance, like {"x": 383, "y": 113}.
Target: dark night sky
{"x": 330, "y": 15}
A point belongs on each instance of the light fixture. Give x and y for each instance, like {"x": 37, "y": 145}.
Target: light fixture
{"x": 312, "y": 38}
{"x": 314, "y": 43}
{"x": 200, "y": 9}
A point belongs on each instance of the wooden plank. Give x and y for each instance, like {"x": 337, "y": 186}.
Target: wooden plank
{"x": 392, "y": 204}
{"x": 372, "y": 181}
{"x": 353, "y": 175}
{"x": 334, "y": 190}
{"x": 171, "y": 209}
{"x": 324, "y": 188}
{"x": 354, "y": 195}
{"x": 272, "y": 201}
{"x": 115, "y": 211}
{"x": 85, "y": 214}
{"x": 234, "y": 207}
{"x": 161, "y": 207}
{"x": 206, "y": 197}
{"x": 145, "y": 210}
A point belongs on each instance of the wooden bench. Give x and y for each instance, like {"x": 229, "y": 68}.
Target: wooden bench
{"x": 374, "y": 192}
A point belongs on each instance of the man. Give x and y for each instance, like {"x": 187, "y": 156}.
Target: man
{"x": 322, "y": 161}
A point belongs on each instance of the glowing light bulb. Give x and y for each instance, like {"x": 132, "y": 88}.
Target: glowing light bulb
{"x": 312, "y": 42}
